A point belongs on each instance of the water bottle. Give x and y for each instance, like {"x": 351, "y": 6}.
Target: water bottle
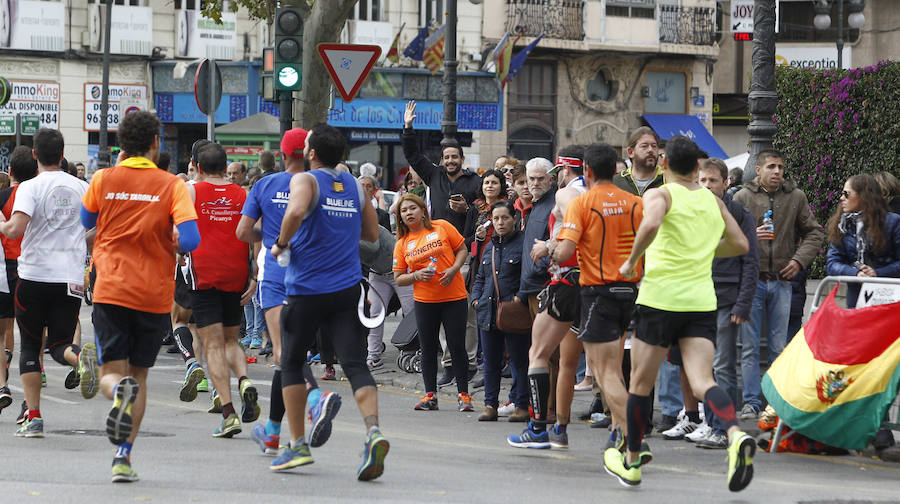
{"x": 554, "y": 273}
{"x": 432, "y": 264}
{"x": 284, "y": 258}
{"x": 769, "y": 223}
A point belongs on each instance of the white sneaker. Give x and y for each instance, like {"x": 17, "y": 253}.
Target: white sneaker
{"x": 506, "y": 410}
{"x": 713, "y": 441}
{"x": 700, "y": 433}
{"x": 682, "y": 428}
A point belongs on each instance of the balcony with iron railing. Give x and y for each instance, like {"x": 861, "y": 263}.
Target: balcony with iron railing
{"x": 687, "y": 25}
{"x": 556, "y": 19}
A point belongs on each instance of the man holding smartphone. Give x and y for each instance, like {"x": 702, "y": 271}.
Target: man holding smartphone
{"x": 452, "y": 188}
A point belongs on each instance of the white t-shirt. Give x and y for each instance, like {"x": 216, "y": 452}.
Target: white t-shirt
{"x": 53, "y": 248}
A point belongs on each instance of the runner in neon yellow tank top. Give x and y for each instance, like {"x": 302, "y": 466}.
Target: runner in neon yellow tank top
{"x": 681, "y": 232}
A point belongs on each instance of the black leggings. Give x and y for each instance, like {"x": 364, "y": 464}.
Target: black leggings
{"x": 336, "y": 315}
{"x": 429, "y": 318}
{"x": 40, "y": 305}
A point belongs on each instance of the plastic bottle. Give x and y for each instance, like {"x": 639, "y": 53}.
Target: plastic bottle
{"x": 769, "y": 223}
{"x": 284, "y": 258}
{"x": 432, "y": 264}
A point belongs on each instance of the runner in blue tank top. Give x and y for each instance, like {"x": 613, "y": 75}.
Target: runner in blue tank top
{"x": 326, "y": 216}
{"x": 265, "y": 205}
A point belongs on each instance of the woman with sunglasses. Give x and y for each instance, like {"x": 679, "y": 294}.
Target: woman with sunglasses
{"x": 863, "y": 236}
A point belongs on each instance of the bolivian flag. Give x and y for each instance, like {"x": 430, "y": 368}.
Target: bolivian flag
{"x": 837, "y": 377}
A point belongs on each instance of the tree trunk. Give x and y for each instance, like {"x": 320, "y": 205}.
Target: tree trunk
{"x": 324, "y": 23}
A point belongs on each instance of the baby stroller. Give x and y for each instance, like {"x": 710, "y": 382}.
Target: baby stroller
{"x": 406, "y": 339}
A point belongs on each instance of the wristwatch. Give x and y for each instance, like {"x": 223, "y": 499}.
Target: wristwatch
{"x": 280, "y": 245}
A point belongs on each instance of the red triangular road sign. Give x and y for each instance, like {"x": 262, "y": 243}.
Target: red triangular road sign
{"x": 349, "y": 65}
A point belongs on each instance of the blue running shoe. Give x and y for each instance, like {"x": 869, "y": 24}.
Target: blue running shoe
{"x": 245, "y": 342}
{"x": 192, "y": 379}
{"x": 376, "y": 449}
{"x": 530, "y": 439}
{"x": 293, "y": 456}
{"x": 320, "y": 417}
{"x": 268, "y": 444}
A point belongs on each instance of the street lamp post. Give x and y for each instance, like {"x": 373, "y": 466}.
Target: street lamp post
{"x": 448, "y": 124}
{"x": 103, "y": 158}
{"x": 763, "y": 98}
{"x": 856, "y": 20}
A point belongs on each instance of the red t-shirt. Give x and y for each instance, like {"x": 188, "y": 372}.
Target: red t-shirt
{"x": 221, "y": 261}
{"x": 12, "y": 247}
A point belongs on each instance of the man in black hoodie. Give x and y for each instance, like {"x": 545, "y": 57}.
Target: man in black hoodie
{"x": 451, "y": 188}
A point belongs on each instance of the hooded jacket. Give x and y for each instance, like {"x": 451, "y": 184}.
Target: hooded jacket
{"x": 436, "y": 178}
{"x": 625, "y": 181}
{"x": 735, "y": 278}
{"x": 797, "y": 234}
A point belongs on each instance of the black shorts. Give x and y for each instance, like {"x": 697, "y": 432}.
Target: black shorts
{"x": 562, "y": 300}
{"x": 665, "y": 328}
{"x": 182, "y": 291}
{"x": 126, "y": 334}
{"x": 606, "y": 311}
{"x": 212, "y": 306}
{"x": 40, "y": 305}
{"x": 7, "y": 304}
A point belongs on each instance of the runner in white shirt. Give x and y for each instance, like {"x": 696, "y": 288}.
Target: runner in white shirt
{"x": 51, "y": 275}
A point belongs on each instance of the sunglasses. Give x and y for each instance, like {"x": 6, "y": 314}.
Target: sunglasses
{"x": 845, "y": 194}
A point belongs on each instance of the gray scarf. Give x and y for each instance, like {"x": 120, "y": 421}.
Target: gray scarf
{"x": 852, "y": 225}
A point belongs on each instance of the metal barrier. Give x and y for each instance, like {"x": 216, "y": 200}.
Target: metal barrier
{"x": 893, "y": 421}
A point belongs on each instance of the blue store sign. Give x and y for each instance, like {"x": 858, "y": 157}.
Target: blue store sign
{"x": 388, "y": 114}
{"x": 182, "y": 108}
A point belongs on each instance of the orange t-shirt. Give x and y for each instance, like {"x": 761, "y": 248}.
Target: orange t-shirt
{"x": 602, "y": 222}
{"x": 414, "y": 252}
{"x": 134, "y": 251}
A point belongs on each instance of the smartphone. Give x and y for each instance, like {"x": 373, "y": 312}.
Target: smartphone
{"x": 457, "y": 197}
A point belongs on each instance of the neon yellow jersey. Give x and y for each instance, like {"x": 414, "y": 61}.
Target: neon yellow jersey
{"x": 678, "y": 264}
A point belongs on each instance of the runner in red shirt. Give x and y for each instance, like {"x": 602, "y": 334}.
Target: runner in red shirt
{"x": 22, "y": 166}
{"x": 219, "y": 277}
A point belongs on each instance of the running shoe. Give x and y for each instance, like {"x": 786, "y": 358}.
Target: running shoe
{"x": 713, "y": 441}
{"x": 529, "y": 438}
{"x": 558, "y": 440}
{"x": 88, "y": 371}
{"x": 313, "y": 359}
{"x": 230, "y": 427}
{"x": 614, "y": 463}
{"x": 376, "y": 449}
{"x": 249, "y": 397}
{"x": 427, "y": 402}
{"x": 465, "y": 402}
{"x": 292, "y": 456}
{"x": 255, "y": 343}
{"x": 119, "y": 421}
{"x": 683, "y": 427}
{"x": 122, "y": 471}
{"x": 72, "y": 379}
{"x": 320, "y": 417}
{"x": 5, "y": 397}
{"x": 33, "y": 428}
{"x": 329, "y": 374}
{"x": 216, "y": 405}
{"x": 23, "y": 415}
{"x": 617, "y": 441}
{"x": 245, "y": 342}
{"x": 203, "y": 386}
{"x": 192, "y": 378}
{"x": 506, "y": 409}
{"x": 268, "y": 444}
{"x": 698, "y": 434}
{"x": 740, "y": 461}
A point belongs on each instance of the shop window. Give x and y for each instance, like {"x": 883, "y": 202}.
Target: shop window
{"x": 487, "y": 90}
{"x": 631, "y": 8}
{"x": 431, "y": 11}
{"x": 368, "y": 10}
{"x": 416, "y": 87}
{"x": 601, "y": 87}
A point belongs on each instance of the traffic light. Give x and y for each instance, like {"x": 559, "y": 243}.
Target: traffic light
{"x": 288, "y": 49}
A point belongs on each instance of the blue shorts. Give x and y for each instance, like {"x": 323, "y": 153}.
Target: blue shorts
{"x": 271, "y": 294}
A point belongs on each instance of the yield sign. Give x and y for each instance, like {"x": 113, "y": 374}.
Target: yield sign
{"x": 349, "y": 65}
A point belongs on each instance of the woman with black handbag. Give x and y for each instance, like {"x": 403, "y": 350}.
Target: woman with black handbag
{"x": 495, "y": 285}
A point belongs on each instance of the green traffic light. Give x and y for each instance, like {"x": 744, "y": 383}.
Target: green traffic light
{"x": 288, "y": 77}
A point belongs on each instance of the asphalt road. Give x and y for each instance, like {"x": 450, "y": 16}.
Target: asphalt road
{"x": 443, "y": 456}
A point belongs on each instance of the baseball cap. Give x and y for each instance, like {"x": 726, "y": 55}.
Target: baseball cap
{"x": 293, "y": 142}
{"x": 563, "y": 161}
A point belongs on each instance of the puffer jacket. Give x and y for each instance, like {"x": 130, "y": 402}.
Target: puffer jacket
{"x": 797, "y": 234}
{"x": 509, "y": 272}
{"x": 841, "y": 257}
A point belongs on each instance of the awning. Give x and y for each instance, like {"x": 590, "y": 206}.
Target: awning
{"x": 667, "y": 126}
